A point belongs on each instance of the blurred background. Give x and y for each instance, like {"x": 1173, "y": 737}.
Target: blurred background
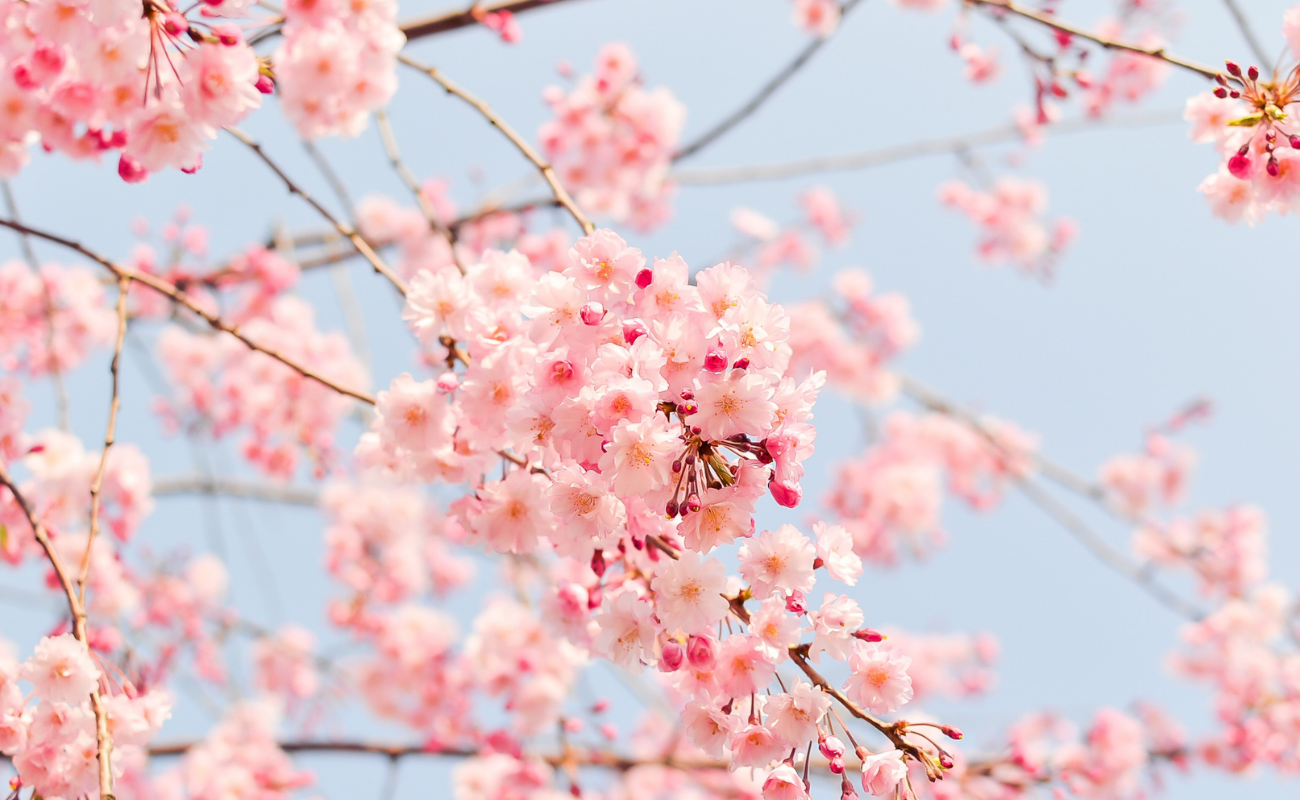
{"x": 1155, "y": 304}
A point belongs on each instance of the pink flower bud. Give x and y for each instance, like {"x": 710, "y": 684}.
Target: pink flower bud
{"x": 951, "y": 732}
{"x": 592, "y": 313}
{"x": 600, "y": 706}
{"x": 869, "y": 635}
{"x": 1295, "y": 142}
{"x": 796, "y": 604}
{"x": 687, "y": 394}
{"x": 228, "y": 33}
{"x": 643, "y": 278}
{"x": 24, "y": 76}
{"x": 673, "y": 655}
{"x": 129, "y": 170}
{"x": 741, "y": 363}
{"x": 687, "y": 409}
{"x": 1233, "y": 69}
{"x": 847, "y": 792}
{"x": 47, "y": 60}
{"x": 702, "y": 651}
{"x": 265, "y": 85}
{"x": 598, "y": 563}
{"x": 837, "y": 766}
{"x": 448, "y": 382}
{"x": 1220, "y": 92}
{"x": 831, "y": 746}
{"x": 715, "y": 361}
{"x": 693, "y": 503}
{"x": 1239, "y": 166}
{"x": 1252, "y": 72}
{"x": 632, "y": 330}
{"x": 785, "y": 494}
{"x": 175, "y": 24}
{"x": 1272, "y": 167}
{"x": 945, "y": 761}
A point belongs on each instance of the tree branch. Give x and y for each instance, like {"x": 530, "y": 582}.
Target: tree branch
{"x": 451, "y": 20}
{"x": 168, "y": 290}
{"x": 253, "y": 489}
{"x": 1009, "y": 7}
{"x": 548, "y": 172}
{"x": 1247, "y": 32}
{"x": 764, "y": 93}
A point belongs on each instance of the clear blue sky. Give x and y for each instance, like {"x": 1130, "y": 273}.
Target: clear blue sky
{"x": 1155, "y": 304}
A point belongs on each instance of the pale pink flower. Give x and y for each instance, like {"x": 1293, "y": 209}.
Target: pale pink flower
{"x": 688, "y": 593}
{"x": 756, "y": 746}
{"x": 882, "y": 772}
{"x": 795, "y": 716}
{"x": 640, "y": 455}
{"x": 834, "y": 624}
{"x": 627, "y": 631}
{"x": 784, "y": 783}
{"x": 835, "y": 549}
{"x": 738, "y": 403}
{"x": 61, "y": 670}
{"x": 878, "y": 678}
{"x": 778, "y": 561}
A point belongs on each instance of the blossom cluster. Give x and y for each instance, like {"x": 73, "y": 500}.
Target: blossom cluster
{"x": 1010, "y": 219}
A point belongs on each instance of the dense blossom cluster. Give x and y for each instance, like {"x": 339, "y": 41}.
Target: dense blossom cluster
{"x": 612, "y": 140}
{"x": 582, "y": 452}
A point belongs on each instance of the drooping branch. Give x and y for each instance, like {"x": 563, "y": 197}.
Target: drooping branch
{"x": 103, "y": 741}
{"x": 763, "y": 94}
{"x": 363, "y": 247}
{"x": 252, "y": 489}
{"x": 1009, "y": 7}
{"x": 171, "y": 292}
{"x": 544, "y": 167}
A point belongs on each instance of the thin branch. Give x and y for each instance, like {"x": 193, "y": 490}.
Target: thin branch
{"x": 404, "y": 172}
{"x": 451, "y": 20}
{"x": 1009, "y": 7}
{"x": 168, "y": 290}
{"x": 252, "y": 489}
{"x": 903, "y": 152}
{"x": 764, "y": 93}
{"x": 1247, "y": 32}
{"x": 363, "y": 247}
{"x": 29, "y": 255}
{"x": 548, "y": 172}
{"x": 110, "y": 434}
{"x": 103, "y": 742}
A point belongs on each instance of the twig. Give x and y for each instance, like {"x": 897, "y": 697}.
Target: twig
{"x": 764, "y": 93}
{"x": 363, "y": 247}
{"x": 252, "y": 489}
{"x": 413, "y": 184}
{"x": 451, "y": 20}
{"x": 1247, "y": 32}
{"x": 110, "y": 434}
{"x": 29, "y": 255}
{"x": 174, "y": 294}
{"x": 903, "y": 152}
{"x": 1050, "y": 21}
{"x": 548, "y": 172}
{"x": 103, "y": 742}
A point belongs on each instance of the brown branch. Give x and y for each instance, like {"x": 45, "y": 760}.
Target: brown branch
{"x": 171, "y": 292}
{"x": 452, "y": 20}
{"x": 548, "y": 172}
{"x": 1009, "y": 7}
{"x": 363, "y": 247}
{"x": 110, "y": 434}
{"x": 103, "y": 742}
{"x": 764, "y": 93}
{"x": 404, "y": 172}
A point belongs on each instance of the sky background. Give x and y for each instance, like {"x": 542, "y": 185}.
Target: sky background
{"x": 1156, "y": 303}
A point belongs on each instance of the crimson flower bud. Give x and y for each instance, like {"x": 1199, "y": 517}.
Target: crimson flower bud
{"x": 1252, "y": 73}
{"x": 643, "y": 278}
{"x": 1239, "y": 166}
{"x": 686, "y": 409}
{"x": 175, "y": 24}
{"x": 702, "y": 651}
{"x": 741, "y": 363}
{"x": 673, "y": 655}
{"x": 796, "y": 604}
{"x": 671, "y": 509}
{"x": 447, "y": 382}
{"x": 264, "y": 84}
{"x": 693, "y": 503}
{"x": 632, "y": 330}
{"x": 715, "y": 361}
{"x": 869, "y": 635}
{"x": 837, "y": 766}
{"x": 598, "y": 563}
{"x": 1220, "y": 92}
{"x": 687, "y": 394}
{"x": 592, "y": 313}
{"x": 129, "y": 170}
{"x": 1233, "y": 69}
{"x": 950, "y": 731}
{"x": 945, "y": 761}
{"x": 1272, "y": 167}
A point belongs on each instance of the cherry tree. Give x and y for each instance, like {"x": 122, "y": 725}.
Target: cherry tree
{"x": 597, "y": 464}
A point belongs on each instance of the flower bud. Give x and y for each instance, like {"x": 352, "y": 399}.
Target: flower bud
{"x": 1220, "y": 92}
{"x": 1233, "y": 69}
{"x": 945, "y": 761}
{"x": 264, "y": 84}
{"x": 228, "y": 33}
{"x": 1295, "y": 142}
{"x": 830, "y": 746}
{"x": 632, "y": 330}
{"x": 702, "y": 651}
{"x": 1239, "y": 166}
{"x": 600, "y": 706}
{"x": 869, "y": 635}
{"x": 950, "y": 731}
{"x": 693, "y": 503}
{"x": 175, "y": 24}
{"x": 447, "y": 382}
{"x": 592, "y": 313}
{"x": 1252, "y": 72}
{"x": 847, "y": 792}
{"x": 741, "y": 363}
{"x": 796, "y": 604}
{"x": 1272, "y": 167}
{"x": 687, "y": 394}
{"x": 129, "y": 170}
{"x": 598, "y": 562}
{"x": 643, "y": 278}
{"x": 785, "y": 494}
{"x": 687, "y": 409}
{"x": 715, "y": 361}
{"x": 673, "y": 655}
{"x": 837, "y": 766}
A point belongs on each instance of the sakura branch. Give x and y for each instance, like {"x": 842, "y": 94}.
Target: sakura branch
{"x": 453, "y": 20}
{"x": 547, "y": 171}
{"x": 172, "y": 293}
{"x": 394, "y": 154}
